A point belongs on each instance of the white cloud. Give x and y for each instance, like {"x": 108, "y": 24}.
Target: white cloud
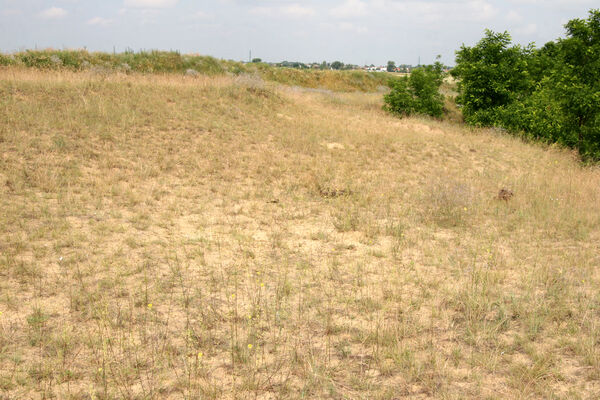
{"x": 99, "y": 21}
{"x": 528, "y": 29}
{"x": 514, "y": 16}
{"x": 349, "y": 9}
{"x": 296, "y": 10}
{"x": 53, "y": 13}
{"x": 440, "y": 11}
{"x": 482, "y": 9}
{"x": 150, "y": 3}
{"x": 348, "y": 27}
{"x": 554, "y": 2}
{"x": 292, "y": 10}
{"x": 264, "y": 11}
{"x": 345, "y": 27}
{"x": 200, "y": 15}
{"x": 10, "y": 12}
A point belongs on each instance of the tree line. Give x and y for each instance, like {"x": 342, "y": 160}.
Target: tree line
{"x": 550, "y": 93}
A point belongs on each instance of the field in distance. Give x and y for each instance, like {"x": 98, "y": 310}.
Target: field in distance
{"x": 218, "y": 237}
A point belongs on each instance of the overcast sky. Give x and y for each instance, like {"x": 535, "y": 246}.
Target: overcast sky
{"x": 352, "y": 31}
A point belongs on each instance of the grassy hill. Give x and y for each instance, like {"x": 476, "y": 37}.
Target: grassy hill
{"x": 222, "y": 237}
{"x": 163, "y": 62}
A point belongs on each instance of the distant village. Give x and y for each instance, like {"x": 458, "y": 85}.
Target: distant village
{"x": 338, "y": 65}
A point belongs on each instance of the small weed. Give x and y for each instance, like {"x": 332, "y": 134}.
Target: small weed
{"x": 450, "y": 203}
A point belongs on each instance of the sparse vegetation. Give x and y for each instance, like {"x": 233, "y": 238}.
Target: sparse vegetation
{"x": 224, "y": 237}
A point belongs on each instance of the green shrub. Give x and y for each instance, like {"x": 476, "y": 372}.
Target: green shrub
{"x": 418, "y": 93}
{"x": 6, "y": 60}
{"x": 492, "y": 74}
{"x": 551, "y": 94}
{"x": 538, "y": 117}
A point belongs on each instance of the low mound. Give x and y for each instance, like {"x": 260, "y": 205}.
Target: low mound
{"x": 169, "y": 237}
{"x": 154, "y": 62}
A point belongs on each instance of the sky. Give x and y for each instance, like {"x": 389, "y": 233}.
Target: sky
{"x": 351, "y": 31}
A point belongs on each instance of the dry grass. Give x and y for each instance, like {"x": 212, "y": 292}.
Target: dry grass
{"x": 208, "y": 238}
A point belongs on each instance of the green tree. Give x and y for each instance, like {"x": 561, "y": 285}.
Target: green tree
{"x": 576, "y": 81}
{"x": 391, "y": 66}
{"x": 337, "y": 65}
{"x": 552, "y": 93}
{"x": 490, "y": 75}
{"x": 418, "y": 93}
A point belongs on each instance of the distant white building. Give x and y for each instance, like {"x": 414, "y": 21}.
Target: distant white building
{"x": 377, "y": 69}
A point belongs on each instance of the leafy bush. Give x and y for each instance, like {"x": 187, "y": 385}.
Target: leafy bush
{"x": 575, "y": 81}
{"x": 491, "y": 74}
{"x": 418, "y": 93}
{"x": 551, "y": 94}
{"x": 6, "y": 60}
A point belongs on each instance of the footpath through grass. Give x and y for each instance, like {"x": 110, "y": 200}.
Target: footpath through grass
{"x": 175, "y": 237}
